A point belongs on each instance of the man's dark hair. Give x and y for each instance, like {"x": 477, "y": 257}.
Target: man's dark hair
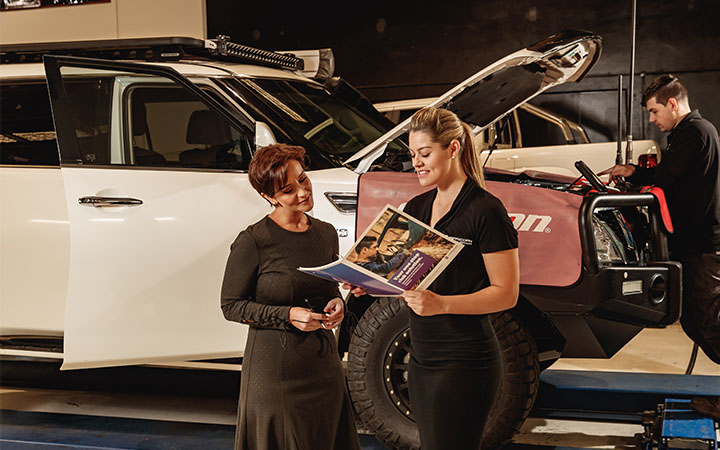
{"x": 663, "y": 88}
{"x": 365, "y": 242}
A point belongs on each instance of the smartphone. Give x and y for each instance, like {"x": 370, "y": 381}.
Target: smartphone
{"x": 317, "y": 305}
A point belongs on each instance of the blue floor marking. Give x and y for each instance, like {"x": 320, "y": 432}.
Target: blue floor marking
{"x": 23, "y": 430}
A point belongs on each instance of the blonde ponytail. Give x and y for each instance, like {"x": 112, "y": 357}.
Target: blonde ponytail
{"x": 444, "y": 126}
{"x": 470, "y": 158}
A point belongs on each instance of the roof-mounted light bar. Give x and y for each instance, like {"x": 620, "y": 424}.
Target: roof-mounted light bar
{"x": 221, "y": 46}
{"x": 151, "y": 49}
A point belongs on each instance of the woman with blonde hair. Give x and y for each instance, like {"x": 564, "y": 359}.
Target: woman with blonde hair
{"x": 456, "y": 366}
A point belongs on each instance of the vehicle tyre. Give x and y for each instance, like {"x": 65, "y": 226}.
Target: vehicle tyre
{"x": 520, "y": 381}
{"x": 377, "y": 376}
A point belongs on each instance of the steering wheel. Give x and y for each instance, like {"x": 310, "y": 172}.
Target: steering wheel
{"x": 590, "y": 176}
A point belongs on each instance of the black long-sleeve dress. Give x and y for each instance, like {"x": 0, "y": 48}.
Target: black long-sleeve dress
{"x": 455, "y": 366}
{"x": 292, "y": 389}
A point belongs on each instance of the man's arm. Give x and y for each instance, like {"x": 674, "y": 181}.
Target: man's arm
{"x": 639, "y": 176}
{"x": 385, "y": 267}
{"x": 620, "y": 170}
{"x": 685, "y": 150}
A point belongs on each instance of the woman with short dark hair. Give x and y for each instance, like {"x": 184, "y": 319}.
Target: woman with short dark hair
{"x": 292, "y": 389}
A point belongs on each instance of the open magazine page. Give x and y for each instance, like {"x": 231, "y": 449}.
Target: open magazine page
{"x": 396, "y": 253}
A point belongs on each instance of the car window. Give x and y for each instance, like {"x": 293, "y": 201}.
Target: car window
{"x": 537, "y": 132}
{"x": 27, "y": 133}
{"x": 169, "y": 126}
{"x": 150, "y": 121}
{"x": 499, "y": 135}
{"x": 314, "y": 118}
{"x": 90, "y": 101}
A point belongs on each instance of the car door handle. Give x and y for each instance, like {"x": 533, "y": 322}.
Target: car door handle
{"x": 109, "y": 202}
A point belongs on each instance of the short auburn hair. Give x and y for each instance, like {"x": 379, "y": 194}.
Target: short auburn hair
{"x": 268, "y": 167}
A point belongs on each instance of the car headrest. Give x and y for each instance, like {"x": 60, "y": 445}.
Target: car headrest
{"x": 139, "y": 118}
{"x": 207, "y": 127}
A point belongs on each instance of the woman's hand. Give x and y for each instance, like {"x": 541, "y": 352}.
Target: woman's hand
{"x": 305, "y": 320}
{"x": 424, "y": 303}
{"x": 354, "y": 290}
{"x": 335, "y": 310}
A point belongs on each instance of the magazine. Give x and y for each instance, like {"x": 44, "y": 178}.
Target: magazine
{"x": 396, "y": 253}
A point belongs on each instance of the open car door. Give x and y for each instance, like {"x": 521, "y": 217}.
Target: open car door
{"x": 154, "y": 171}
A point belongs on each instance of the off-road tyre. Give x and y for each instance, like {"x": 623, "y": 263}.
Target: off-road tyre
{"x": 520, "y": 381}
{"x": 377, "y": 376}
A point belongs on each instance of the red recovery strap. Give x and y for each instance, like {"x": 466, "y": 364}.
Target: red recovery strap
{"x": 664, "y": 211}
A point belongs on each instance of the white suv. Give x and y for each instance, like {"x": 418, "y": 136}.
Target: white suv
{"x": 113, "y": 248}
{"x": 506, "y": 144}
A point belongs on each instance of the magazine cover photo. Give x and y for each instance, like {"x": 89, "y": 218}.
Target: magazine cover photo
{"x": 396, "y": 253}
{"x": 393, "y": 240}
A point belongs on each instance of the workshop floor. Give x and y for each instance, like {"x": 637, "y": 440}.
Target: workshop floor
{"x": 652, "y": 351}
{"x": 664, "y": 350}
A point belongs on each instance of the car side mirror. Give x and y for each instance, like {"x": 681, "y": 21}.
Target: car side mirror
{"x": 263, "y": 135}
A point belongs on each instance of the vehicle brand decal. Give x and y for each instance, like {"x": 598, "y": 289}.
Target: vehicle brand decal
{"x": 531, "y": 222}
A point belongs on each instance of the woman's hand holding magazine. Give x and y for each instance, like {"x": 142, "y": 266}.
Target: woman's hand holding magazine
{"x": 357, "y": 291}
{"x": 395, "y": 254}
{"x": 423, "y": 303}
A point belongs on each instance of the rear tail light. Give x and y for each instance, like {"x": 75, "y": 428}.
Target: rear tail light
{"x": 647, "y": 160}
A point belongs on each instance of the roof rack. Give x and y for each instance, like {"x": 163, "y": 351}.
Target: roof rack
{"x": 152, "y": 49}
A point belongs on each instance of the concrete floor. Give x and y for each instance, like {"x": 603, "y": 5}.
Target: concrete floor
{"x": 652, "y": 351}
{"x": 665, "y": 350}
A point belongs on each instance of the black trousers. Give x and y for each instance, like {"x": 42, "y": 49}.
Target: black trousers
{"x": 701, "y": 302}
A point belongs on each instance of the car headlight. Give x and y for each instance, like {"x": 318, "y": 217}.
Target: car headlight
{"x": 17, "y": 4}
{"x": 608, "y": 247}
{"x": 345, "y": 202}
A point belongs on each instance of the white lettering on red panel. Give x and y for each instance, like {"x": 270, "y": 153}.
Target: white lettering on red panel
{"x": 530, "y": 222}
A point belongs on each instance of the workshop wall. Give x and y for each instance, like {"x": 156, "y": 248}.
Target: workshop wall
{"x": 116, "y": 19}
{"x": 400, "y": 49}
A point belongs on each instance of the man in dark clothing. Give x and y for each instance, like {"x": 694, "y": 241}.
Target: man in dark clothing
{"x": 688, "y": 173}
{"x": 367, "y": 257}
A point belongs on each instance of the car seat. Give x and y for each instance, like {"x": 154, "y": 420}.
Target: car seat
{"x": 205, "y": 128}
{"x": 143, "y": 156}
{"x": 208, "y": 129}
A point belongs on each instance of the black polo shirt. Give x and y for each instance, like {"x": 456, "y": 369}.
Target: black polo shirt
{"x": 688, "y": 173}
{"x": 479, "y": 220}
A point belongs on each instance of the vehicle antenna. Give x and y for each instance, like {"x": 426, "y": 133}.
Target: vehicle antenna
{"x": 618, "y": 156}
{"x": 628, "y": 148}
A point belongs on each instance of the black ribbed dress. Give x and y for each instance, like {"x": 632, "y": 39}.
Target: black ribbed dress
{"x": 292, "y": 389}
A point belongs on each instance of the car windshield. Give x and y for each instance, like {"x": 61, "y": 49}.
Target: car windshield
{"x": 313, "y": 117}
